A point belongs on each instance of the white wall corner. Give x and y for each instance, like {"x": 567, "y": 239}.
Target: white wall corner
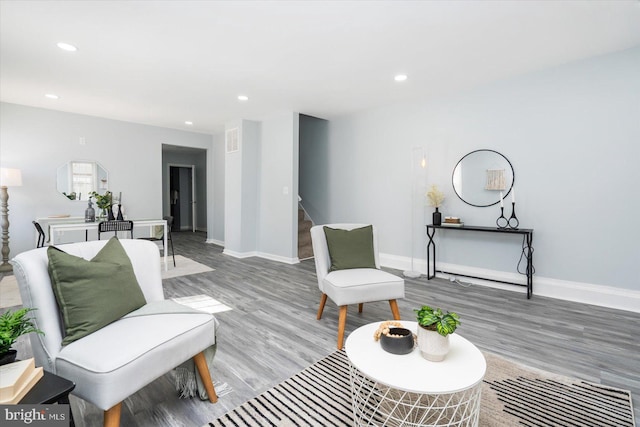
{"x": 240, "y": 254}
{"x": 586, "y": 293}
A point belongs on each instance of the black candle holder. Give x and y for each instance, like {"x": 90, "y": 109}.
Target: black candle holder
{"x": 120, "y": 217}
{"x": 502, "y": 221}
{"x": 110, "y": 216}
{"x": 513, "y": 219}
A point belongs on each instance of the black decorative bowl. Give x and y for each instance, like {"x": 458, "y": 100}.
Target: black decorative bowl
{"x": 400, "y": 341}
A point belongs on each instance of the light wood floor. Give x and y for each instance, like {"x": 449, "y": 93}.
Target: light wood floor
{"x": 272, "y": 332}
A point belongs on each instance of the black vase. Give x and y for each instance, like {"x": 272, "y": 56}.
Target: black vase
{"x": 437, "y": 217}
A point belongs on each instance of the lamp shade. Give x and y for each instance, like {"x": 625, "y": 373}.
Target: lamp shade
{"x": 10, "y": 177}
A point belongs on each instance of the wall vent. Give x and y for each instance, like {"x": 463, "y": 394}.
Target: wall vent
{"x": 232, "y": 141}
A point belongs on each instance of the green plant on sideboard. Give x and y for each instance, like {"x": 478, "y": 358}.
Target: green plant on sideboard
{"x": 103, "y": 201}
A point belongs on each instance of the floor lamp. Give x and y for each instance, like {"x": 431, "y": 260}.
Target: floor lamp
{"x": 418, "y": 163}
{"x": 8, "y": 178}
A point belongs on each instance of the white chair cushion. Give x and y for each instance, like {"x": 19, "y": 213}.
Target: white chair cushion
{"x": 360, "y": 285}
{"x": 124, "y": 356}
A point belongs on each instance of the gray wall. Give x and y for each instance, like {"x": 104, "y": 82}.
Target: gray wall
{"x": 242, "y": 170}
{"x": 215, "y": 193}
{"x": 38, "y": 141}
{"x": 260, "y": 219}
{"x": 313, "y": 174}
{"x": 279, "y": 186}
{"x": 572, "y": 134}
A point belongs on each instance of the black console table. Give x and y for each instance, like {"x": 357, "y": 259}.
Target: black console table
{"x": 528, "y": 235}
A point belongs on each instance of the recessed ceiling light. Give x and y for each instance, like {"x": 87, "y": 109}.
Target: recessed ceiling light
{"x": 188, "y": 123}
{"x": 51, "y": 96}
{"x": 243, "y": 98}
{"x": 66, "y": 46}
{"x": 400, "y": 77}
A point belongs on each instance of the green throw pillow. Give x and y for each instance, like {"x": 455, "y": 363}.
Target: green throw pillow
{"x": 350, "y": 248}
{"x": 92, "y": 294}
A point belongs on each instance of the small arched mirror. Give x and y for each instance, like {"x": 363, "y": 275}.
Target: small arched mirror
{"x": 480, "y": 176}
{"x": 78, "y": 178}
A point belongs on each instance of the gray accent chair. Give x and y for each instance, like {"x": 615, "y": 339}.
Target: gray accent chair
{"x": 352, "y": 286}
{"x": 116, "y": 361}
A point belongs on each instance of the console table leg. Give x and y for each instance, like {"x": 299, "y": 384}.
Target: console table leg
{"x": 431, "y": 252}
{"x": 65, "y": 401}
{"x": 529, "y": 265}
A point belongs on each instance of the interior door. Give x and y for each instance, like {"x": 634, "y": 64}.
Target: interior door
{"x": 182, "y": 195}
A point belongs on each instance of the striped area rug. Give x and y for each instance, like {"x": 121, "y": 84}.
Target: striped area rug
{"x": 512, "y": 395}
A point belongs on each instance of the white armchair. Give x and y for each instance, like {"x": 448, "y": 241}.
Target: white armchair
{"x": 119, "y": 359}
{"x": 354, "y": 285}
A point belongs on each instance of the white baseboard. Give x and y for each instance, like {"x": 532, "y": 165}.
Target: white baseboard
{"x": 587, "y": 293}
{"x": 264, "y": 255}
{"x": 279, "y": 258}
{"x": 215, "y": 242}
{"x": 239, "y": 254}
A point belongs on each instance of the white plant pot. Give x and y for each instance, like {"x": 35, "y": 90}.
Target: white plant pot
{"x": 433, "y": 346}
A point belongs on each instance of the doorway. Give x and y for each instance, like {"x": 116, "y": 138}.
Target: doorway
{"x": 195, "y": 160}
{"x": 182, "y": 196}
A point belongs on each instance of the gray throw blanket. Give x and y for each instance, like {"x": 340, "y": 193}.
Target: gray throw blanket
{"x": 187, "y": 378}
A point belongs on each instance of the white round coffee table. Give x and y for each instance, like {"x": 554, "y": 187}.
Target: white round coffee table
{"x": 408, "y": 390}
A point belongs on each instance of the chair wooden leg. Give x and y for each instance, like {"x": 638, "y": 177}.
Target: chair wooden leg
{"x": 112, "y": 416}
{"x": 205, "y": 376}
{"x": 342, "y": 320}
{"x": 394, "y": 309}
{"x": 323, "y": 301}
{"x": 360, "y": 307}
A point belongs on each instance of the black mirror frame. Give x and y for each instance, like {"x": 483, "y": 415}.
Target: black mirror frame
{"x": 513, "y": 173}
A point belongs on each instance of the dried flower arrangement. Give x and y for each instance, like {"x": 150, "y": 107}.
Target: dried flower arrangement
{"x": 435, "y": 196}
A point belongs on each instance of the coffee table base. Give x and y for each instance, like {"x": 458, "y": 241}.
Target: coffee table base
{"x": 375, "y": 404}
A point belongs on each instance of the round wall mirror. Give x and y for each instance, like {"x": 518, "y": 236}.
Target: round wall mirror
{"x": 78, "y": 178}
{"x": 480, "y": 176}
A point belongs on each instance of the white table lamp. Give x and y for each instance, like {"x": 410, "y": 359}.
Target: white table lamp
{"x": 8, "y": 178}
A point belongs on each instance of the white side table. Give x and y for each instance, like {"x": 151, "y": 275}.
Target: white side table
{"x": 408, "y": 390}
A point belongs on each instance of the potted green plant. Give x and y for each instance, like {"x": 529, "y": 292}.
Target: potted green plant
{"x": 433, "y": 332}
{"x": 103, "y": 201}
{"x": 14, "y": 324}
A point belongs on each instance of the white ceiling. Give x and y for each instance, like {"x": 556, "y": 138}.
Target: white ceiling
{"x": 164, "y": 62}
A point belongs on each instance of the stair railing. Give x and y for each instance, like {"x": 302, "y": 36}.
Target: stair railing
{"x": 306, "y": 214}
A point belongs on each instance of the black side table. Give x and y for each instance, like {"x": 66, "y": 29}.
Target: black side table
{"x": 50, "y": 389}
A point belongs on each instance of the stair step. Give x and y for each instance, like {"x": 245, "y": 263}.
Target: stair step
{"x": 305, "y": 248}
{"x": 304, "y": 239}
{"x": 305, "y": 252}
{"x": 304, "y": 226}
